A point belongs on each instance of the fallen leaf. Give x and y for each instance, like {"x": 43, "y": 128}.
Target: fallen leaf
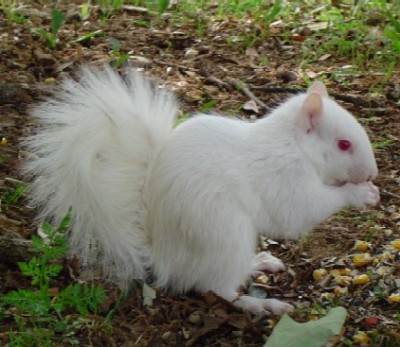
{"x": 149, "y": 294}
{"x": 289, "y": 333}
{"x": 324, "y": 57}
{"x": 251, "y": 106}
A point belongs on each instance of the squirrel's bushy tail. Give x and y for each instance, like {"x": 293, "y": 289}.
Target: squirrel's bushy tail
{"x": 92, "y": 152}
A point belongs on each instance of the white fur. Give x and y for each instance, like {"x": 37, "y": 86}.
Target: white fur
{"x": 189, "y": 203}
{"x": 93, "y": 151}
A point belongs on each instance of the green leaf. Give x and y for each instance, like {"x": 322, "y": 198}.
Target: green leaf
{"x": 181, "y": 119}
{"x": 14, "y": 195}
{"x": 273, "y": 11}
{"x": 51, "y": 270}
{"x": 37, "y": 244}
{"x": 113, "y": 43}
{"x": 47, "y": 229}
{"x": 57, "y": 20}
{"x": 141, "y": 23}
{"x": 65, "y": 222}
{"x": 25, "y": 268}
{"x": 88, "y": 36}
{"x": 162, "y": 5}
{"x": 289, "y": 333}
{"x": 35, "y": 303}
{"x": 149, "y": 294}
{"x": 208, "y": 105}
{"x": 39, "y": 32}
{"x": 82, "y": 298}
{"x": 84, "y": 13}
{"x": 394, "y": 21}
{"x": 121, "y": 59}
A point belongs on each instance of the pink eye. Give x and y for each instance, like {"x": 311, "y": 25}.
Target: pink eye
{"x": 344, "y": 145}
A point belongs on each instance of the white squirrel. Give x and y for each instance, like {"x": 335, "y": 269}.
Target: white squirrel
{"x": 188, "y": 202}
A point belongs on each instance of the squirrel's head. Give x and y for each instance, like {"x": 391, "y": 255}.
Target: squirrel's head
{"x": 333, "y": 140}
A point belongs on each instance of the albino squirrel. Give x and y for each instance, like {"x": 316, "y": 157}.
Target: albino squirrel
{"x": 188, "y": 202}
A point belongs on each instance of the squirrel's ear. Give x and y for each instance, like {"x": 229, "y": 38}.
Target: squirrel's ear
{"x": 319, "y": 88}
{"x": 311, "y": 111}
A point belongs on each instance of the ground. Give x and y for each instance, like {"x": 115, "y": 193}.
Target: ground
{"x": 234, "y": 66}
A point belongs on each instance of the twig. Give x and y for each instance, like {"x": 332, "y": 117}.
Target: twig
{"x": 392, "y": 195}
{"x": 347, "y": 98}
{"x": 137, "y": 9}
{"x": 245, "y": 89}
{"x": 218, "y": 82}
{"x": 176, "y": 65}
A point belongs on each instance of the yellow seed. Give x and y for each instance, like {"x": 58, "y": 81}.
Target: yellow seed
{"x": 360, "y": 337}
{"x": 3, "y": 141}
{"x": 361, "y": 246}
{"x": 343, "y": 280}
{"x": 263, "y": 279}
{"x": 361, "y": 279}
{"x": 396, "y": 244}
{"x": 394, "y": 298}
{"x": 340, "y": 291}
{"x": 387, "y": 256}
{"x": 335, "y": 272}
{"x": 319, "y": 273}
{"x": 388, "y": 232}
{"x": 340, "y": 272}
{"x": 49, "y": 80}
{"x": 362, "y": 259}
{"x": 383, "y": 270}
{"x": 327, "y": 296}
{"x": 346, "y": 271}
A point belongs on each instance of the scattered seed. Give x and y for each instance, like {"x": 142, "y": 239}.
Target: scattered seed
{"x": 319, "y": 273}
{"x": 361, "y": 259}
{"x": 361, "y": 246}
{"x": 263, "y": 279}
{"x": 343, "y": 280}
{"x": 327, "y": 296}
{"x": 361, "y": 279}
{"x": 360, "y": 337}
{"x": 371, "y": 321}
{"x": 396, "y": 244}
{"x": 383, "y": 270}
{"x": 338, "y": 291}
{"x": 388, "y": 232}
{"x": 394, "y": 298}
{"x": 49, "y": 80}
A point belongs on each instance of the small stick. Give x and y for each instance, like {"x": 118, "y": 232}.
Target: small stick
{"x": 347, "y": 98}
{"x": 245, "y": 89}
{"x": 176, "y": 65}
{"x": 392, "y": 195}
{"x": 218, "y": 82}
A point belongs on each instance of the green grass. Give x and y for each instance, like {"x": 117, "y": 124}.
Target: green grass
{"x": 117, "y": 58}
{"x": 383, "y": 144}
{"x": 38, "y": 314}
{"x": 366, "y": 36}
{"x": 12, "y": 196}
{"x": 50, "y": 37}
{"x": 11, "y": 9}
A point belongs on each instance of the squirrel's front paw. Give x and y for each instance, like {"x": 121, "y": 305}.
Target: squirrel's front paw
{"x": 265, "y": 261}
{"x": 363, "y": 194}
{"x": 257, "y": 305}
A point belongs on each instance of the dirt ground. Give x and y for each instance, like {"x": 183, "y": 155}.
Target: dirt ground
{"x": 205, "y": 69}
